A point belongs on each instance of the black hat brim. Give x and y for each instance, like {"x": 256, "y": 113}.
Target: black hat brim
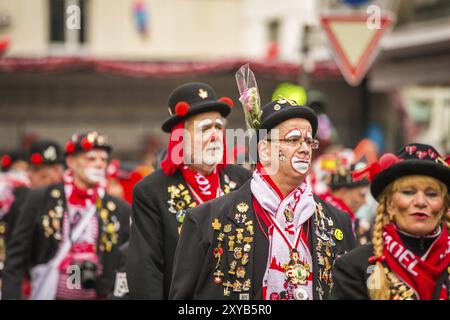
{"x": 350, "y": 185}
{"x": 290, "y": 113}
{"x": 195, "y": 109}
{"x": 107, "y": 148}
{"x": 407, "y": 168}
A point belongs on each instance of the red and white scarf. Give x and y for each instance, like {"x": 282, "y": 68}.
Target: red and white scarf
{"x": 419, "y": 273}
{"x": 286, "y": 232}
{"x": 79, "y": 202}
{"x": 203, "y": 188}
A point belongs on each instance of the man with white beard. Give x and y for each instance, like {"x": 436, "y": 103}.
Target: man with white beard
{"x": 192, "y": 173}
{"x": 69, "y": 233}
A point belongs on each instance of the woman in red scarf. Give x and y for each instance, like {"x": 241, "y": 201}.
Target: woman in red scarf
{"x": 410, "y": 254}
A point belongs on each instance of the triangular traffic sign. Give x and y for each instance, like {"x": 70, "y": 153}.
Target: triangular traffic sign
{"x": 353, "y": 43}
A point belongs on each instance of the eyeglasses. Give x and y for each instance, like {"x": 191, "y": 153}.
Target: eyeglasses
{"x": 297, "y": 141}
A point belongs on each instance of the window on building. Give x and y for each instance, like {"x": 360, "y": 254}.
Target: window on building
{"x": 274, "y": 27}
{"x": 59, "y": 33}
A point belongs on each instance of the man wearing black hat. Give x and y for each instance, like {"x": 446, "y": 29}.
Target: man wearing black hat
{"x": 68, "y": 234}
{"x": 272, "y": 239}
{"x": 193, "y": 172}
{"x": 44, "y": 168}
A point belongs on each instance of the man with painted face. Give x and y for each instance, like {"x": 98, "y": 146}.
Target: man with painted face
{"x": 273, "y": 238}
{"x": 69, "y": 233}
{"x": 192, "y": 173}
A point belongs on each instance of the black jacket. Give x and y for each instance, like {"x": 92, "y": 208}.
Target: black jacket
{"x": 194, "y": 267}
{"x": 8, "y": 222}
{"x": 38, "y": 232}
{"x": 159, "y": 206}
{"x": 352, "y": 271}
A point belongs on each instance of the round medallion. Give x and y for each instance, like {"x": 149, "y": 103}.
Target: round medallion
{"x": 300, "y": 294}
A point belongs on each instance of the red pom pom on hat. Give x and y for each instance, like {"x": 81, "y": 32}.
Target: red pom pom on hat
{"x": 36, "y": 158}
{"x": 387, "y": 160}
{"x": 6, "y": 161}
{"x": 182, "y": 108}
{"x": 70, "y": 147}
{"x": 86, "y": 144}
{"x": 227, "y": 101}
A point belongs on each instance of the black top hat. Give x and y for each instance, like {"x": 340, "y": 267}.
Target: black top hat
{"x": 86, "y": 142}
{"x": 12, "y": 156}
{"x": 193, "y": 98}
{"x": 343, "y": 178}
{"x": 275, "y": 112}
{"x": 45, "y": 152}
{"x": 413, "y": 159}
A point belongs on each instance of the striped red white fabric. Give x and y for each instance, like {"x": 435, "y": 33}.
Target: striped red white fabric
{"x": 68, "y": 288}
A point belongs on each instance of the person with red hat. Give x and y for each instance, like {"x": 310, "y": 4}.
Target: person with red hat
{"x": 409, "y": 256}
{"x": 68, "y": 234}
{"x": 192, "y": 173}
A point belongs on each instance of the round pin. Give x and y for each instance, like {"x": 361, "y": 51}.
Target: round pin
{"x": 300, "y": 294}
{"x": 338, "y": 234}
{"x": 180, "y": 216}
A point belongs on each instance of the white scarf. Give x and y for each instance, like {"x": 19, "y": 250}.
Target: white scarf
{"x": 285, "y": 279}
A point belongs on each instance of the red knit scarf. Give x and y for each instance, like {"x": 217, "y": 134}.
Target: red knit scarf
{"x": 420, "y": 273}
{"x": 204, "y": 188}
{"x": 77, "y": 196}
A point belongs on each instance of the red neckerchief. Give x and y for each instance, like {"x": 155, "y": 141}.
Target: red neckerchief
{"x": 204, "y": 188}
{"x": 79, "y": 197}
{"x": 338, "y": 203}
{"x": 175, "y": 160}
{"x": 420, "y": 273}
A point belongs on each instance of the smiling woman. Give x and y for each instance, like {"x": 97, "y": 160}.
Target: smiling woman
{"x": 409, "y": 256}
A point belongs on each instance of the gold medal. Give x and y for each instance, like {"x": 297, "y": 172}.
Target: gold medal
{"x": 111, "y": 206}
{"x": 244, "y": 260}
{"x": 237, "y": 253}
{"x": 231, "y": 243}
{"x": 227, "y": 228}
{"x": 218, "y": 277}
{"x": 55, "y": 193}
{"x": 240, "y": 272}
{"x": 249, "y": 225}
{"x": 226, "y": 289}
{"x": 216, "y": 225}
{"x": 242, "y": 207}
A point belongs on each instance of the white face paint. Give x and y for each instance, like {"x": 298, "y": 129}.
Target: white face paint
{"x": 204, "y": 123}
{"x": 293, "y": 133}
{"x": 300, "y": 164}
{"x": 95, "y": 175}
